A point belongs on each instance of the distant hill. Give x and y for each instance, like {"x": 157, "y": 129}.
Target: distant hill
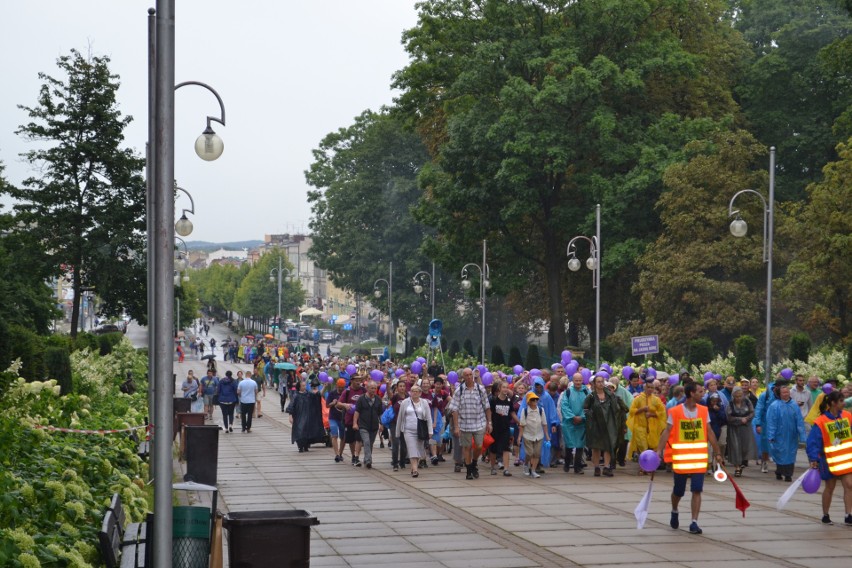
{"x": 208, "y": 246}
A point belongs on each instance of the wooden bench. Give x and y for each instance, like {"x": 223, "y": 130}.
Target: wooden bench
{"x": 123, "y": 547}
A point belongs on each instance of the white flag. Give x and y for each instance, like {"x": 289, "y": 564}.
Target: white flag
{"x": 641, "y": 511}
{"x": 787, "y": 495}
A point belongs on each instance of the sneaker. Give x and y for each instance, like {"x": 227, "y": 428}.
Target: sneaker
{"x": 764, "y": 468}
{"x": 826, "y": 520}
{"x": 535, "y": 475}
{"x": 507, "y": 473}
{"x": 539, "y": 469}
{"x": 674, "y": 522}
{"x": 369, "y": 465}
{"x": 357, "y": 463}
{"x": 469, "y": 472}
{"x": 848, "y": 520}
{"x": 475, "y": 471}
{"x": 457, "y": 468}
{"x": 788, "y": 479}
{"x": 396, "y": 468}
{"x": 499, "y": 465}
{"x": 694, "y": 529}
{"x": 434, "y": 460}
{"x": 382, "y": 445}
{"x": 493, "y": 471}
{"x": 441, "y": 458}
{"x": 336, "y": 459}
{"x": 526, "y": 469}
{"x": 230, "y": 428}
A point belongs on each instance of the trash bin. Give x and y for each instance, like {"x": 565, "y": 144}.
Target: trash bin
{"x": 257, "y": 539}
{"x": 187, "y": 419}
{"x": 190, "y": 537}
{"x": 192, "y": 529}
{"x": 202, "y": 453}
{"x": 181, "y": 404}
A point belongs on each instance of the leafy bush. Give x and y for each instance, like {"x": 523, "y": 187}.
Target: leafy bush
{"x": 533, "y": 360}
{"x": 454, "y": 348}
{"x": 700, "y": 351}
{"x": 29, "y": 348}
{"x": 58, "y": 363}
{"x": 746, "y": 362}
{"x": 55, "y": 486}
{"x": 800, "y": 347}
{"x": 5, "y": 345}
{"x": 607, "y": 351}
{"x": 515, "y": 357}
{"x": 849, "y": 359}
{"x": 468, "y": 347}
{"x": 497, "y": 355}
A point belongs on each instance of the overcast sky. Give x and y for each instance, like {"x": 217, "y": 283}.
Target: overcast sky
{"x": 288, "y": 71}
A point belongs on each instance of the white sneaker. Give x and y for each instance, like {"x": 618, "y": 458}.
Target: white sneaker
{"x": 526, "y": 469}
{"x": 535, "y": 475}
{"x": 764, "y": 468}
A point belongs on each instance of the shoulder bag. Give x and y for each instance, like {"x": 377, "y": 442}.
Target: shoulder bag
{"x": 422, "y": 428}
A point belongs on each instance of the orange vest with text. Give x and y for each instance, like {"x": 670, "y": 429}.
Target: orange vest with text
{"x": 837, "y": 442}
{"x": 687, "y": 445}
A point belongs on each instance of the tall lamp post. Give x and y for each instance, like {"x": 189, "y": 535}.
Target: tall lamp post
{"x": 378, "y": 294}
{"x": 418, "y": 287}
{"x": 161, "y": 209}
{"x": 484, "y": 285}
{"x": 593, "y": 263}
{"x": 280, "y": 270}
{"x": 739, "y": 228}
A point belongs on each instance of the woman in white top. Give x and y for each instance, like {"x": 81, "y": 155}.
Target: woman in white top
{"x": 410, "y": 410}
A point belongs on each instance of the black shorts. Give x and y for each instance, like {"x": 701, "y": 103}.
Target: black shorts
{"x": 501, "y": 442}
{"x": 351, "y": 435}
{"x": 696, "y": 483}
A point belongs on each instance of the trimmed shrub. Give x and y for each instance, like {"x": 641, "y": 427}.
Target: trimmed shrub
{"x": 800, "y": 347}
{"x": 745, "y": 348}
{"x": 5, "y": 346}
{"x": 29, "y": 347}
{"x": 701, "y": 351}
{"x": 57, "y": 361}
{"x": 515, "y": 357}
{"x": 607, "y": 352}
{"x": 468, "y": 347}
{"x": 497, "y": 355}
{"x": 533, "y": 360}
{"x": 454, "y": 348}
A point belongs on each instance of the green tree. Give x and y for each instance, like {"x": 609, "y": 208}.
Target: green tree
{"x": 535, "y": 111}
{"x": 697, "y": 280}
{"x": 497, "y": 355}
{"x": 258, "y": 296}
{"x": 454, "y": 348}
{"x": 792, "y": 94}
{"x": 701, "y": 351}
{"x": 533, "y": 360}
{"x": 87, "y": 206}
{"x": 190, "y": 307}
{"x": 515, "y": 356}
{"x": 800, "y": 347}
{"x": 818, "y": 283}
{"x": 217, "y": 285}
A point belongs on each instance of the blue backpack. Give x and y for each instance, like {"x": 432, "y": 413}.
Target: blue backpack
{"x": 387, "y": 417}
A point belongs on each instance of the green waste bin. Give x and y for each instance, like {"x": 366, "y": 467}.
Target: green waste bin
{"x": 190, "y": 537}
{"x": 257, "y": 539}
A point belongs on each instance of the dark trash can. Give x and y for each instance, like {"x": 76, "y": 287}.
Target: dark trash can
{"x": 257, "y": 539}
{"x": 202, "y": 453}
{"x": 182, "y": 404}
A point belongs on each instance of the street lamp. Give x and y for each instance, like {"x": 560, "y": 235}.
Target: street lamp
{"x": 593, "y": 263}
{"x": 739, "y": 228}
{"x": 418, "y": 287}
{"x": 280, "y": 270}
{"x": 161, "y": 263}
{"x": 378, "y": 294}
{"x": 183, "y": 226}
{"x": 484, "y": 285}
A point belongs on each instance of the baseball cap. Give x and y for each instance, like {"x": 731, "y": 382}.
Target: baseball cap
{"x": 531, "y": 396}
{"x": 341, "y": 382}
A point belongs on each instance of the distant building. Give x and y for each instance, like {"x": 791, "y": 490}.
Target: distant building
{"x": 230, "y": 256}
{"x": 313, "y": 279}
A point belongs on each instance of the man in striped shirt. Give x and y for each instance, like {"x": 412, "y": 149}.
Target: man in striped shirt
{"x": 473, "y": 419}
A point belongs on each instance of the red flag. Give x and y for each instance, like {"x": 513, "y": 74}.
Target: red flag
{"x": 741, "y": 503}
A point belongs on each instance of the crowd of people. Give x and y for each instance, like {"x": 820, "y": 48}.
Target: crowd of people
{"x": 544, "y": 419}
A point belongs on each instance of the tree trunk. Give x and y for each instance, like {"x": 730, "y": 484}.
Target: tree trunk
{"x": 554, "y": 262}
{"x": 573, "y": 333}
{"x": 75, "y": 304}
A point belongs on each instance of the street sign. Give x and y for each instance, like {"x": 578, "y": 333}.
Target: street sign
{"x": 645, "y": 344}
{"x": 334, "y": 317}
{"x": 347, "y": 327}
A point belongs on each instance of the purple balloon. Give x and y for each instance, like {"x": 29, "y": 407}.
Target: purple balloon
{"x": 626, "y": 372}
{"x": 416, "y": 367}
{"x": 811, "y": 481}
{"x": 422, "y": 360}
{"x": 827, "y": 388}
{"x": 566, "y": 355}
{"x": 572, "y": 368}
{"x": 399, "y": 372}
{"x": 574, "y": 362}
{"x": 350, "y": 369}
{"x": 482, "y": 369}
{"x": 323, "y": 377}
{"x": 587, "y": 374}
{"x": 649, "y": 460}
{"x": 606, "y": 367}
{"x": 651, "y": 372}
{"x": 351, "y": 410}
{"x": 787, "y": 373}
{"x": 517, "y": 369}
{"x": 376, "y": 375}
{"x": 708, "y": 375}
{"x": 382, "y": 388}
{"x": 673, "y": 380}
{"x": 535, "y": 372}
{"x": 487, "y": 379}
{"x": 717, "y": 377}
{"x": 452, "y": 377}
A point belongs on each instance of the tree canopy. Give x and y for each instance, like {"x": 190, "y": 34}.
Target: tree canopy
{"x": 86, "y": 205}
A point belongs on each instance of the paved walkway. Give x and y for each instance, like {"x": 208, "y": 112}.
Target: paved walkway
{"x": 376, "y": 517}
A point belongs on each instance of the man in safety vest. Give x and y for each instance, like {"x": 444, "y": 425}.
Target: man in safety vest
{"x": 688, "y": 434}
{"x": 830, "y": 451}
